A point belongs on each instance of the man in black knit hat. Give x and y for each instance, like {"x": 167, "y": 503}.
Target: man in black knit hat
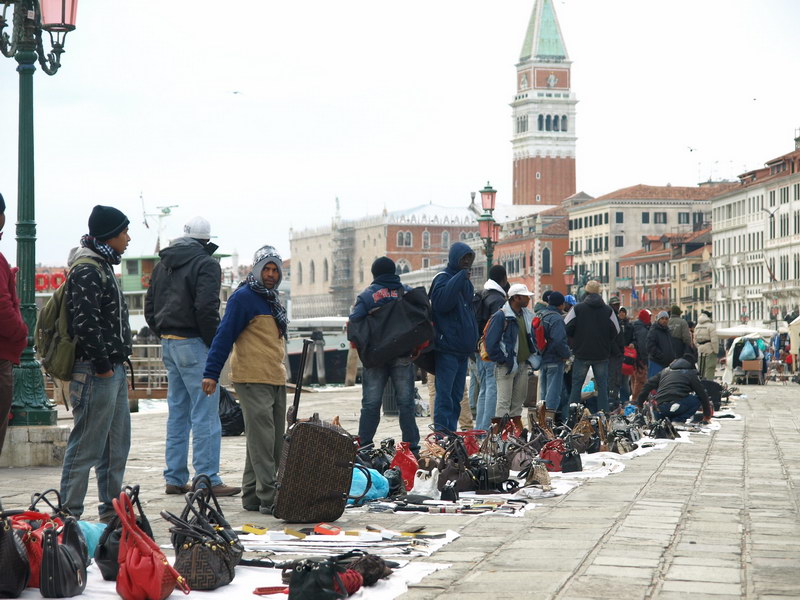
{"x": 98, "y": 392}
{"x": 385, "y": 287}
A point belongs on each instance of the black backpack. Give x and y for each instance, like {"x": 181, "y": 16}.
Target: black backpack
{"x": 479, "y": 308}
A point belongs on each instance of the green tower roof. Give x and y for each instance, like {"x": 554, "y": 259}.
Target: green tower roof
{"x": 543, "y": 39}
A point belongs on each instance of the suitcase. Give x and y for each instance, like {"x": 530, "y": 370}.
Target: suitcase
{"x": 316, "y": 467}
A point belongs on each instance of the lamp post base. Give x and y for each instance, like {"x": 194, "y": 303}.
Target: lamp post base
{"x": 30, "y": 405}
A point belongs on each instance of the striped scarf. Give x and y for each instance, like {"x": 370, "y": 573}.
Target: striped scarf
{"x": 103, "y": 249}
{"x": 272, "y": 298}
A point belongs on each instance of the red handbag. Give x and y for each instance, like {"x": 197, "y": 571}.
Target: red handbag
{"x": 405, "y": 460}
{"x": 553, "y": 451}
{"x": 628, "y": 360}
{"x": 33, "y": 524}
{"x": 471, "y": 441}
{"x": 144, "y": 571}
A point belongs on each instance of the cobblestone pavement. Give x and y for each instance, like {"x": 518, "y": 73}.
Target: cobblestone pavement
{"x": 717, "y": 518}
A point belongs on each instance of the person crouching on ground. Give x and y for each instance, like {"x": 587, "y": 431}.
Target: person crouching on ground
{"x": 254, "y": 326}
{"x": 385, "y": 288}
{"x": 674, "y": 386}
{"x": 510, "y": 345}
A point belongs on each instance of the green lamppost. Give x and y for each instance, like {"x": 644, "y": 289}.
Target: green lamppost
{"x": 488, "y": 229}
{"x": 24, "y": 44}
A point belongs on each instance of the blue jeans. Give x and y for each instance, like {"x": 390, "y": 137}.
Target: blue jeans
{"x": 680, "y": 410}
{"x": 190, "y": 411}
{"x": 653, "y": 368}
{"x": 100, "y": 437}
{"x": 551, "y": 380}
{"x": 625, "y": 390}
{"x": 600, "y": 369}
{"x": 451, "y": 375}
{"x": 487, "y": 395}
{"x": 474, "y": 383}
{"x": 373, "y": 382}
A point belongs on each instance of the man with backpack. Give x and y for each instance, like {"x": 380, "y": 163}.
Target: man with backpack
{"x": 554, "y": 356}
{"x": 509, "y": 344}
{"x": 98, "y": 391}
{"x": 487, "y": 302}
{"x": 182, "y": 308}
{"x": 13, "y": 332}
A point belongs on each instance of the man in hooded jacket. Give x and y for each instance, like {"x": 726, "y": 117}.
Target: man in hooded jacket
{"x": 385, "y": 288}
{"x": 705, "y": 336}
{"x": 456, "y": 332}
{"x": 182, "y": 308}
{"x": 674, "y": 386}
{"x": 254, "y": 327}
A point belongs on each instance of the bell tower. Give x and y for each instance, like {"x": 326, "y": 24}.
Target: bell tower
{"x": 543, "y": 118}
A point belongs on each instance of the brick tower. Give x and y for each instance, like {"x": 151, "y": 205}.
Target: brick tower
{"x": 543, "y": 114}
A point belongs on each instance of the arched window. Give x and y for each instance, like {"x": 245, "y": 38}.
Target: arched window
{"x": 299, "y": 273}
{"x": 541, "y": 122}
{"x": 325, "y": 270}
{"x": 426, "y": 239}
{"x": 402, "y": 266}
{"x": 563, "y": 122}
{"x": 548, "y": 123}
{"x": 311, "y": 274}
{"x": 408, "y": 239}
{"x": 401, "y": 238}
{"x": 546, "y": 261}
{"x": 445, "y": 239}
{"x": 555, "y": 122}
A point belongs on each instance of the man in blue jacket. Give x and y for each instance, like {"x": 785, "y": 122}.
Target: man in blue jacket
{"x": 551, "y": 375}
{"x": 385, "y": 288}
{"x": 456, "y": 332}
{"x": 509, "y": 344}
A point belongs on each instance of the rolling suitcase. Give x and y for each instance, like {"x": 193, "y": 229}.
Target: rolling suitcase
{"x": 316, "y": 467}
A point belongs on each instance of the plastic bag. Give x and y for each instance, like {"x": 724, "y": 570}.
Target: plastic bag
{"x": 426, "y": 484}
{"x": 748, "y": 352}
{"x": 378, "y": 489}
{"x": 230, "y": 413}
{"x": 405, "y": 460}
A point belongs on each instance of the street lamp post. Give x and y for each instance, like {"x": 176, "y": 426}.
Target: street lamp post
{"x": 569, "y": 273}
{"x": 24, "y": 44}
{"x": 489, "y": 230}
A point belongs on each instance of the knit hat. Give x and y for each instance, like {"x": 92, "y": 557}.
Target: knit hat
{"x": 2, "y": 204}
{"x": 570, "y": 299}
{"x": 676, "y": 310}
{"x": 546, "y": 295}
{"x": 621, "y": 308}
{"x": 383, "y": 266}
{"x": 264, "y": 255}
{"x": 662, "y": 315}
{"x": 498, "y": 273}
{"x": 644, "y": 316}
{"x": 555, "y": 298}
{"x": 614, "y": 300}
{"x": 198, "y": 228}
{"x": 592, "y": 287}
{"x": 106, "y": 222}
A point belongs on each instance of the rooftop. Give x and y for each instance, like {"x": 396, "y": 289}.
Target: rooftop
{"x": 543, "y": 40}
{"x": 663, "y": 192}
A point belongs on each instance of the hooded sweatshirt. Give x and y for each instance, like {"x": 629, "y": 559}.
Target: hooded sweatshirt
{"x": 492, "y": 299}
{"x": 705, "y": 334}
{"x": 675, "y": 383}
{"x": 593, "y": 327}
{"x": 13, "y": 330}
{"x": 183, "y": 297}
{"x": 451, "y": 299}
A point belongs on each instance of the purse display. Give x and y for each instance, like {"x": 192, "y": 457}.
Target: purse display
{"x": 15, "y": 570}
{"x": 144, "y": 571}
{"x": 107, "y": 551}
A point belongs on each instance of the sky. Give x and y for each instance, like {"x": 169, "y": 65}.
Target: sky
{"x": 260, "y": 114}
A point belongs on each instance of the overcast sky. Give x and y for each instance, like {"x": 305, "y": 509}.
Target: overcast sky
{"x": 258, "y": 114}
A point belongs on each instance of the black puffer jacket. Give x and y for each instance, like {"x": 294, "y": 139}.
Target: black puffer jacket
{"x": 593, "y": 327}
{"x": 98, "y": 313}
{"x": 659, "y": 345}
{"x": 675, "y": 383}
{"x": 640, "y": 331}
{"x": 183, "y": 297}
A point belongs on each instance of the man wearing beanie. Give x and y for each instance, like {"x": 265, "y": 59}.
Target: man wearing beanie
{"x": 554, "y": 357}
{"x": 660, "y": 347}
{"x": 182, "y": 308}
{"x": 641, "y": 327}
{"x": 254, "y": 327}
{"x": 593, "y": 327}
{"x": 13, "y": 332}
{"x": 98, "y": 314}
{"x": 492, "y": 299}
{"x": 385, "y": 288}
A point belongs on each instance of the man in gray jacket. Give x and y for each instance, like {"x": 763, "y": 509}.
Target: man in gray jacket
{"x": 182, "y": 308}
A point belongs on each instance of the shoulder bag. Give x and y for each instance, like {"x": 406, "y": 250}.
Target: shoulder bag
{"x": 64, "y": 561}
{"x": 107, "y": 551}
{"x": 15, "y": 571}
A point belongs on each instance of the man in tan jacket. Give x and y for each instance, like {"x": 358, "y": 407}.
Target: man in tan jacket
{"x": 254, "y": 327}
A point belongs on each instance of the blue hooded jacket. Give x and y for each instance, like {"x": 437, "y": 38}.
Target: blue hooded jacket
{"x": 451, "y": 300}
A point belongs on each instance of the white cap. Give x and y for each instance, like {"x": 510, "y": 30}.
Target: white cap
{"x": 519, "y": 289}
{"x": 198, "y": 228}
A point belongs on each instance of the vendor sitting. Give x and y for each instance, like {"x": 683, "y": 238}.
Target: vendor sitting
{"x": 674, "y": 386}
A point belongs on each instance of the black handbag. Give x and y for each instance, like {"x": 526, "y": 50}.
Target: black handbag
{"x": 107, "y": 552}
{"x": 393, "y": 329}
{"x": 64, "y": 561}
{"x": 320, "y": 578}
{"x": 15, "y": 570}
{"x": 204, "y": 558}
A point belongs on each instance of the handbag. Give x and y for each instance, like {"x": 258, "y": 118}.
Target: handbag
{"x": 107, "y": 552}
{"x": 628, "y": 360}
{"x": 405, "y": 460}
{"x": 454, "y": 466}
{"x": 204, "y": 558}
{"x": 144, "y": 571}
{"x": 561, "y": 456}
{"x": 584, "y": 436}
{"x": 64, "y": 561}
{"x": 15, "y": 570}
{"x": 663, "y": 429}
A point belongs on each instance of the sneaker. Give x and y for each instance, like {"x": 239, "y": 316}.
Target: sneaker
{"x": 225, "y": 490}
{"x": 265, "y": 510}
{"x": 177, "y": 489}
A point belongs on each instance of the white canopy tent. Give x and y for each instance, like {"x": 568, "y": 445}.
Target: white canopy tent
{"x": 743, "y": 330}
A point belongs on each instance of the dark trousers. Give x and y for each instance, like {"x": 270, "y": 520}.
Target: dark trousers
{"x": 679, "y": 410}
{"x": 6, "y": 397}
{"x": 451, "y": 375}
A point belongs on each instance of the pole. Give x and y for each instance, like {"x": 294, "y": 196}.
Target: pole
{"x": 489, "y": 255}
{"x": 30, "y": 405}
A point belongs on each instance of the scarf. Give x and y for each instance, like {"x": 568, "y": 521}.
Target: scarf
{"x": 103, "y": 249}
{"x": 271, "y": 296}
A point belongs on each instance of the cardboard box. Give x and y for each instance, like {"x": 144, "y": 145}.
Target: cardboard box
{"x": 753, "y": 365}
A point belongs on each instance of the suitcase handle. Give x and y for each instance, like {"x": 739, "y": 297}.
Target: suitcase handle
{"x": 357, "y": 499}
{"x": 298, "y": 382}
